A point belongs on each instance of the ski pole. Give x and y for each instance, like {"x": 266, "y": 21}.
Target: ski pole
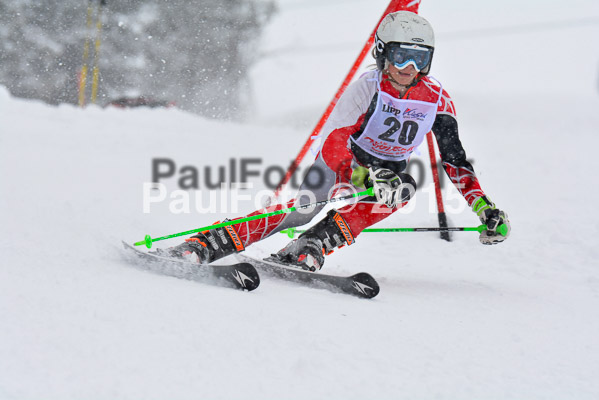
{"x": 502, "y": 229}
{"x": 149, "y": 240}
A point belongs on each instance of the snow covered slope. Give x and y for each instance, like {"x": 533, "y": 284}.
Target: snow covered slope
{"x": 453, "y": 320}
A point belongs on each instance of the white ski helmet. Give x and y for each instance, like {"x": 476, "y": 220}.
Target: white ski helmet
{"x": 403, "y": 27}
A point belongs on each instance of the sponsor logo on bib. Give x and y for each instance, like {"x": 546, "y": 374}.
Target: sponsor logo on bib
{"x": 388, "y": 108}
{"x": 414, "y": 114}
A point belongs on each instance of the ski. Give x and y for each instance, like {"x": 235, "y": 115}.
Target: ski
{"x": 241, "y": 276}
{"x": 360, "y": 285}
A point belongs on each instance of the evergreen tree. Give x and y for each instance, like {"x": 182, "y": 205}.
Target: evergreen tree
{"x": 194, "y": 52}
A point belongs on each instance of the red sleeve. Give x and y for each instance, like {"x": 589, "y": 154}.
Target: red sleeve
{"x": 335, "y": 151}
{"x": 465, "y": 180}
{"x": 446, "y": 105}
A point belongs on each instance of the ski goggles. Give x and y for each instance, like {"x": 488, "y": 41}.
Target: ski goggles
{"x": 401, "y": 55}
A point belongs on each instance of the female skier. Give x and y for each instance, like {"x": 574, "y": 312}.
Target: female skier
{"x": 376, "y": 125}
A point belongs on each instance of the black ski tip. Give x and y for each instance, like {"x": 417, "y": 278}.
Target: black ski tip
{"x": 246, "y": 276}
{"x": 365, "y": 285}
{"x": 241, "y": 276}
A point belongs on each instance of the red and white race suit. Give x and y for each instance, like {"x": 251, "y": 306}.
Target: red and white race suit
{"x": 372, "y": 126}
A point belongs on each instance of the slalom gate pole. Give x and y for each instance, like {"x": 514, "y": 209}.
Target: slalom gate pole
{"x": 440, "y": 208}
{"x": 502, "y": 229}
{"x": 96, "y": 71}
{"x": 149, "y": 240}
{"x": 83, "y": 74}
{"x": 394, "y": 5}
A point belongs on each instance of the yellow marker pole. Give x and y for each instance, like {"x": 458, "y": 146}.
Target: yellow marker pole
{"x": 96, "y": 71}
{"x": 83, "y": 75}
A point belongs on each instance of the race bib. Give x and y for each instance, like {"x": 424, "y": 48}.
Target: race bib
{"x": 397, "y": 127}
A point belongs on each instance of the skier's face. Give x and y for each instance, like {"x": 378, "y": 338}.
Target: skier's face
{"x": 404, "y": 76}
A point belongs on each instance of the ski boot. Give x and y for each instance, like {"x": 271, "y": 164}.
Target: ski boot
{"x": 308, "y": 250}
{"x": 206, "y": 246}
